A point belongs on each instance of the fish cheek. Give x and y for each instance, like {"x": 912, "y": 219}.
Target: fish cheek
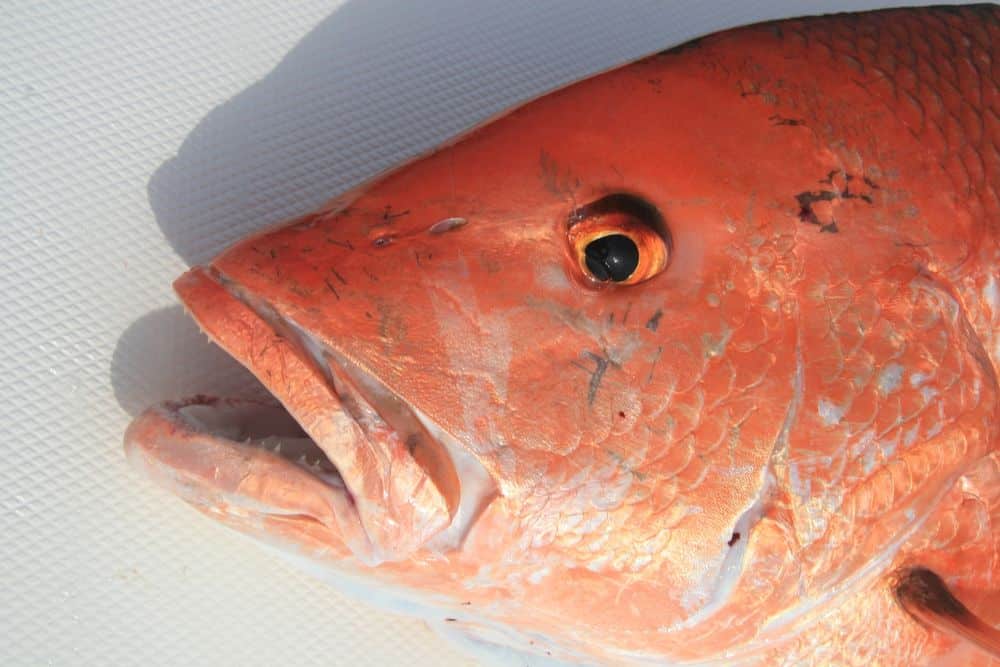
{"x": 551, "y": 407}
{"x": 894, "y": 398}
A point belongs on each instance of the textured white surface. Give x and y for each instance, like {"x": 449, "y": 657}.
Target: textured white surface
{"x": 139, "y": 137}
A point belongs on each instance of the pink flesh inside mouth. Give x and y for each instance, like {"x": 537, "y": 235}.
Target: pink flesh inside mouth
{"x": 338, "y": 460}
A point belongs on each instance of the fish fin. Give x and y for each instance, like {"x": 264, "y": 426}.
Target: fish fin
{"x": 925, "y": 597}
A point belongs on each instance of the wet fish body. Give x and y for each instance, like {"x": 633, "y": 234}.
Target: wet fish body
{"x": 692, "y": 362}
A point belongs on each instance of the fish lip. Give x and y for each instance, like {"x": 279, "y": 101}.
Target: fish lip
{"x": 157, "y": 441}
{"x": 207, "y": 467}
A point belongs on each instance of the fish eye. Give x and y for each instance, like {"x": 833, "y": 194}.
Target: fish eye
{"x": 619, "y": 239}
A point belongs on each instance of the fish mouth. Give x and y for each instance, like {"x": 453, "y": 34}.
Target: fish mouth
{"x": 337, "y": 463}
{"x": 214, "y": 453}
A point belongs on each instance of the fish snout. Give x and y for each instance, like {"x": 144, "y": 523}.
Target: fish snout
{"x": 337, "y": 453}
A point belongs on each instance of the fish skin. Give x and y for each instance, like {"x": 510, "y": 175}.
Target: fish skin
{"x": 816, "y": 369}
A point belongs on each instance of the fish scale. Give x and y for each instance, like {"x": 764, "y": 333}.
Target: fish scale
{"x": 939, "y": 72}
{"x": 937, "y": 69}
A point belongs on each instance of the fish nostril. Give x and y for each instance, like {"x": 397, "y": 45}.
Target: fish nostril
{"x": 446, "y": 225}
{"x": 734, "y": 539}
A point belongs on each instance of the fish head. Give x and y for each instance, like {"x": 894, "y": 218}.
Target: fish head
{"x": 602, "y": 367}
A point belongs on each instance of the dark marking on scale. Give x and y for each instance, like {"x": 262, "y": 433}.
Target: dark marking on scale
{"x": 790, "y": 122}
{"x": 656, "y": 359}
{"x": 343, "y": 244}
{"x": 653, "y": 323}
{"x": 329, "y": 286}
{"x": 388, "y": 216}
{"x": 596, "y": 375}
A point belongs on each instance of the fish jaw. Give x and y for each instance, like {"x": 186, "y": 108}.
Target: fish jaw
{"x": 369, "y": 490}
{"x": 244, "y": 483}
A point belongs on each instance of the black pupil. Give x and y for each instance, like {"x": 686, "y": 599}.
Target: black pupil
{"x": 613, "y": 257}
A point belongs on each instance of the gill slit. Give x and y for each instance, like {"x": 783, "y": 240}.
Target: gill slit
{"x": 732, "y": 565}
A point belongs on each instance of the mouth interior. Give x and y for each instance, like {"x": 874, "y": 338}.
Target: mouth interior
{"x": 262, "y": 426}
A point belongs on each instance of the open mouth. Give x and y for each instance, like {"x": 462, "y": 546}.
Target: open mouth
{"x": 261, "y": 426}
{"x": 338, "y": 460}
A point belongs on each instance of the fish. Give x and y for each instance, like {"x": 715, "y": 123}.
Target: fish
{"x": 691, "y": 362}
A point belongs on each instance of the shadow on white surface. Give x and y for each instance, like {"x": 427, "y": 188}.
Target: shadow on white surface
{"x": 379, "y": 81}
{"x": 163, "y": 355}
{"x": 374, "y": 82}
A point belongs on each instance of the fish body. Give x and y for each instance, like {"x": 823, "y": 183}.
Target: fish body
{"x": 681, "y": 364}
